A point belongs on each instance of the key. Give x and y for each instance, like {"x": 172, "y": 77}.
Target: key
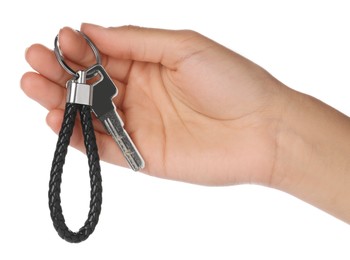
{"x": 102, "y": 105}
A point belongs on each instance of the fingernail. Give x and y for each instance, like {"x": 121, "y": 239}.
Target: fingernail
{"x": 90, "y": 25}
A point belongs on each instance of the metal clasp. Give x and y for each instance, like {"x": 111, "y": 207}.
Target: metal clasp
{"x": 78, "y": 92}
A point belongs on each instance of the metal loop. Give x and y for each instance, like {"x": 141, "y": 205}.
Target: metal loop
{"x": 65, "y": 66}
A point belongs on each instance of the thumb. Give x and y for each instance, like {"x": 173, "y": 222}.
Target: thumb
{"x": 168, "y": 47}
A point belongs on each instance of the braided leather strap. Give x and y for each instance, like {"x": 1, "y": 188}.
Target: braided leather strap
{"x": 94, "y": 172}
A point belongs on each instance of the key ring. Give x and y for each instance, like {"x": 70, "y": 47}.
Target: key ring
{"x": 83, "y": 98}
{"x": 71, "y": 110}
{"x": 60, "y": 58}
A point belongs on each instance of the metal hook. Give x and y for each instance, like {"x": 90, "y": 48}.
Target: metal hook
{"x": 65, "y": 66}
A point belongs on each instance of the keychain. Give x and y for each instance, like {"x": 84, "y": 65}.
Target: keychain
{"x": 83, "y": 98}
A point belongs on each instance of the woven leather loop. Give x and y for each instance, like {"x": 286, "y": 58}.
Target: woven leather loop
{"x": 94, "y": 172}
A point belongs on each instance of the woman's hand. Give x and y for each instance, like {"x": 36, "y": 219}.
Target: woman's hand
{"x": 201, "y": 113}
{"x": 197, "y": 111}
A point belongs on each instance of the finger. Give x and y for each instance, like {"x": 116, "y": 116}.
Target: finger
{"x": 47, "y": 93}
{"x": 50, "y": 95}
{"x": 43, "y": 60}
{"x": 107, "y": 148}
{"x": 144, "y": 44}
{"x": 75, "y": 48}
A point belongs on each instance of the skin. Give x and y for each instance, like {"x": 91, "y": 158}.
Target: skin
{"x": 201, "y": 113}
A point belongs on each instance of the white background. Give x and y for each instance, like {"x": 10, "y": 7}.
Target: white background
{"x": 305, "y": 44}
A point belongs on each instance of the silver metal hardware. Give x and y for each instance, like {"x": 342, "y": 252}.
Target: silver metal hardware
{"x": 78, "y": 91}
{"x": 60, "y": 58}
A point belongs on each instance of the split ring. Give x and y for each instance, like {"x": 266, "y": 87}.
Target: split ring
{"x": 61, "y": 61}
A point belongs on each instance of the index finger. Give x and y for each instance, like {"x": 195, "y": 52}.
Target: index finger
{"x": 168, "y": 47}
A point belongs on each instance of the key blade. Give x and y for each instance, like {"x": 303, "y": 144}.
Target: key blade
{"x": 114, "y": 125}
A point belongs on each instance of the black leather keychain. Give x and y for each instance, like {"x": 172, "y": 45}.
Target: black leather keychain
{"x": 83, "y": 98}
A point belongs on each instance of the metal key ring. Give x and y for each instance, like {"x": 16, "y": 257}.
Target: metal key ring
{"x": 65, "y": 66}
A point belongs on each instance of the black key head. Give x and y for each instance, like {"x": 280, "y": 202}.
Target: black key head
{"x": 103, "y": 91}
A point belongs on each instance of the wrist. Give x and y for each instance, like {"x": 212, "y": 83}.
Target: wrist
{"x": 313, "y": 154}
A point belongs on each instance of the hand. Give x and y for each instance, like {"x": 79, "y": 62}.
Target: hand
{"x": 197, "y": 111}
{"x": 201, "y": 113}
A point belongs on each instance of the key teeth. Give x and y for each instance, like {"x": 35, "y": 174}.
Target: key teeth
{"x": 136, "y": 166}
{"x": 114, "y": 126}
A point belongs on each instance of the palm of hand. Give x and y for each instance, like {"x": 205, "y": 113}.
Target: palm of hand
{"x": 186, "y": 121}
